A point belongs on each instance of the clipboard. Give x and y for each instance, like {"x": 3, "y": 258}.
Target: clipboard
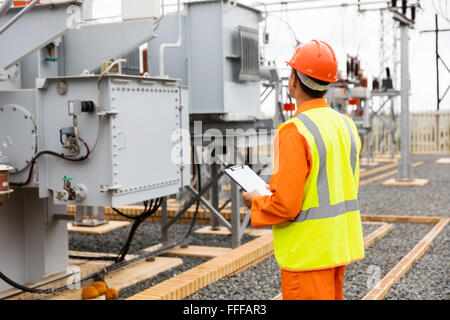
{"x": 247, "y": 179}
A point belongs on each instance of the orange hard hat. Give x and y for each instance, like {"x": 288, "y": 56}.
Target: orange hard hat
{"x": 317, "y": 60}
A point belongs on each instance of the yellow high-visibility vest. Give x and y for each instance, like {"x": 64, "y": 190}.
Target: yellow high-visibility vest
{"x": 327, "y": 231}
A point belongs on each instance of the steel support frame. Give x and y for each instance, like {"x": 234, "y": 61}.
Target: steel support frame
{"x": 237, "y": 227}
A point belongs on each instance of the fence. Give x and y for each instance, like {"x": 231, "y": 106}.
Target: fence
{"x": 429, "y": 133}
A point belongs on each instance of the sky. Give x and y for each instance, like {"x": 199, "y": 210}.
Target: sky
{"x": 351, "y": 33}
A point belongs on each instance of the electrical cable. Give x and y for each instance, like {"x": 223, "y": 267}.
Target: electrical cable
{"x": 153, "y": 207}
{"x": 52, "y": 153}
{"x": 199, "y": 187}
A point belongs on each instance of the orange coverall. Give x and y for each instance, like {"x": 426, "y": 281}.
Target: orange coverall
{"x": 294, "y": 162}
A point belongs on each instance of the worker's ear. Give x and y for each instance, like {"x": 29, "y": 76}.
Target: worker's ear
{"x": 295, "y": 83}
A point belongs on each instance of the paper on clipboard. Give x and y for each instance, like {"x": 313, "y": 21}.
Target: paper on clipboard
{"x": 248, "y": 179}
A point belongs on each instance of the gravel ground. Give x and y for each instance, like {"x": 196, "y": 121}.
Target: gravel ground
{"x": 427, "y": 279}
{"x": 430, "y": 200}
{"x": 147, "y": 234}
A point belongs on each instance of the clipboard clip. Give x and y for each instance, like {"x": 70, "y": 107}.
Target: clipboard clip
{"x": 237, "y": 167}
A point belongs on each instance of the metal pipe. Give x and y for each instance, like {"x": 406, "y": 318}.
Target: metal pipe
{"x": 5, "y": 7}
{"x": 18, "y": 16}
{"x": 170, "y": 45}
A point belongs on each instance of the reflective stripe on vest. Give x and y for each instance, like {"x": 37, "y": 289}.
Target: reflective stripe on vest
{"x": 325, "y": 209}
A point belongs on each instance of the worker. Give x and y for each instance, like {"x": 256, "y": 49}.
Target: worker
{"x": 313, "y": 208}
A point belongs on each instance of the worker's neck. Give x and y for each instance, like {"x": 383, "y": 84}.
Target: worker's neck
{"x": 302, "y": 98}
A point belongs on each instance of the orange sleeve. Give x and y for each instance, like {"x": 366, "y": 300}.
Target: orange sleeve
{"x": 292, "y": 165}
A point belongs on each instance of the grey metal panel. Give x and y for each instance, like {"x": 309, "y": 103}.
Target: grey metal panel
{"x": 186, "y": 131}
{"x": 208, "y": 61}
{"x": 142, "y": 140}
{"x": 27, "y": 99}
{"x": 12, "y": 241}
{"x": 239, "y": 97}
{"x": 86, "y": 48}
{"x": 29, "y": 248}
{"x": 53, "y": 115}
{"x": 29, "y": 71}
{"x": 206, "y": 57}
{"x": 33, "y": 31}
{"x": 176, "y": 59}
{"x": 135, "y": 147}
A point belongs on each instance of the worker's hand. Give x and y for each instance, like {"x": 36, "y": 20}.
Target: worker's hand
{"x": 248, "y": 197}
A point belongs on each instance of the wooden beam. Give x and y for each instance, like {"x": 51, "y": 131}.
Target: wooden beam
{"x": 190, "y": 281}
{"x": 383, "y": 287}
{"x": 377, "y": 170}
{"x": 400, "y": 183}
{"x": 198, "y": 251}
{"x": 387, "y": 174}
{"x": 104, "y": 228}
{"x": 377, "y": 234}
{"x": 225, "y": 231}
{"x": 397, "y": 218}
{"x": 443, "y": 161}
{"x": 127, "y": 277}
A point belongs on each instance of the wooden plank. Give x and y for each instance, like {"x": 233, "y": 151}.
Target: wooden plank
{"x": 411, "y": 183}
{"x": 367, "y": 163}
{"x": 210, "y": 230}
{"x": 377, "y": 170}
{"x": 383, "y": 287}
{"x": 210, "y": 271}
{"x": 198, "y": 251}
{"x": 225, "y": 231}
{"x": 387, "y": 174}
{"x": 443, "y": 161}
{"x": 128, "y": 276}
{"x": 398, "y": 218}
{"x": 377, "y": 223}
{"x": 377, "y": 234}
{"x": 104, "y": 228}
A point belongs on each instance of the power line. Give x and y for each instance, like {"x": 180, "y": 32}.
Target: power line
{"x": 344, "y": 4}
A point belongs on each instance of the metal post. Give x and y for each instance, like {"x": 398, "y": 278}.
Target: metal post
{"x": 235, "y": 206}
{"x": 392, "y": 128}
{"x": 437, "y": 84}
{"x": 278, "y": 116}
{"x": 215, "y": 196}
{"x": 164, "y": 219}
{"x": 404, "y": 167}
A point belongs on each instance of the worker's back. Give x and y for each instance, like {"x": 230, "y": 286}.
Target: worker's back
{"x": 327, "y": 232}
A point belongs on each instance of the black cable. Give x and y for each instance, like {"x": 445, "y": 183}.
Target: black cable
{"x": 199, "y": 187}
{"x": 52, "y": 153}
{"x": 153, "y": 207}
{"x": 16, "y": 285}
